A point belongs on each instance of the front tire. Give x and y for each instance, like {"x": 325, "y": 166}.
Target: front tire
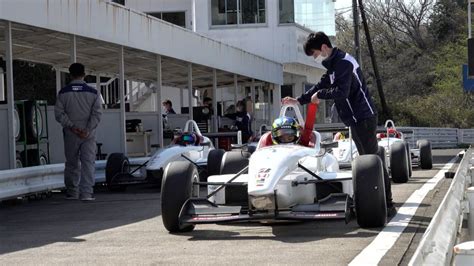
{"x": 177, "y": 187}
{"x": 426, "y": 159}
{"x": 399, "y": 163}
{"x": 234, "y": 161}
{"x": 116, "y": 163}
{"x": 410, "y": 167}
{"x": 214, "y": 159}
{"x": 369, "y": 191}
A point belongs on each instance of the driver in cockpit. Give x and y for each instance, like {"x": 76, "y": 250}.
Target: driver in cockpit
{"x": 286, "y": 130}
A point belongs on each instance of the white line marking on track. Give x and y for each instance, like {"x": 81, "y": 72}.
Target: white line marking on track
{"x": 375, "y": 251}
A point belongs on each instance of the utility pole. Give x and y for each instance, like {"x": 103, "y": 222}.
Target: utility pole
{"x": 385, "y": 109}
{"x": 355, "y": 16}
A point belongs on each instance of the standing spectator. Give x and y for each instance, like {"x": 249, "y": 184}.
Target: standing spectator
{"x": 242, "y": 121}
{"x": 207, "y": 102}
{"x": 168, "y": 107}
{"x": 78, "y": 110}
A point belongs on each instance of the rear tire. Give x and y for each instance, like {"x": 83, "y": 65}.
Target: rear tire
{"x": 399, "y": 163}
{"x": 369, "y": 191}
{"x": 16, "y": 124}
{"x": 234, "y": 161}
{"x": 426, "y": 159}
{"x": 19, "y": 161}
{"x": 214, "y": 159}
{"x": 382, "y": 156}
{"x": 116, "y": 163}
{"x": 410, "y": 167}
{"x": 35, "y": 157}
{"x": 176, "y": 188}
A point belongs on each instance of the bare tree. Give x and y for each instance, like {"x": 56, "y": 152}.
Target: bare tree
{"x": 404, "y": 21}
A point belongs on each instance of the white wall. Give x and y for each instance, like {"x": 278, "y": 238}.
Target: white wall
{"x": 280, "y": 43}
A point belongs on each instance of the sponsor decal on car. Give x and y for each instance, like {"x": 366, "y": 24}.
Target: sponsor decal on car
{"x": 262, "y": 174}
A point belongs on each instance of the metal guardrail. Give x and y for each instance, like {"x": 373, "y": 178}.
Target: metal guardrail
{"x": 36, "y": 179}
{"x": 436, "y": 246}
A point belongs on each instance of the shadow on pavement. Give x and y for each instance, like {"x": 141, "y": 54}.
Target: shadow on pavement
{"x": 42, "y": 222}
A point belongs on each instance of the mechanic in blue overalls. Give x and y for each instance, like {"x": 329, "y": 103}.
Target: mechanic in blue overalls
{"x": 345, "y": 84}
{"x": 78, "y": 110}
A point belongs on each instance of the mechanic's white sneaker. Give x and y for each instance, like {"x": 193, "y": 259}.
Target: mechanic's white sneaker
{"x": 88, "y": 198}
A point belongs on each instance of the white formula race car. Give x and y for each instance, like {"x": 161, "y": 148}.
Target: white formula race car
{"x": 189, "y": 145}
{"x": 278, "y": 182}
{"x": 399, "y": 156}
{"x": 394, "y": 150}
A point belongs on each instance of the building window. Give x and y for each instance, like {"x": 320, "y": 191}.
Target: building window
{"x": 287, "y": 11}
{"x": 121, "y": 2}
{"x": 232, "y": 12}
{"x": 177, "y": 18}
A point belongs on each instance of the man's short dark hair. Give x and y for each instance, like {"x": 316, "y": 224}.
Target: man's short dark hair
{"x": 207, "y": 99}
{"x": 77, "y": 70}
{"x": 168, "y": 101}
{"x": 315, "y": 41}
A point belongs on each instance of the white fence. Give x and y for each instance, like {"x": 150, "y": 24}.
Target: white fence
{"x": 439, "y": 137}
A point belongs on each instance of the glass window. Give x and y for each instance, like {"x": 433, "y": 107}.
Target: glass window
{"x": 121, "y": 2}
{"x": 231, "y": 12}
{"x": 249, "y": 11}
{"x": 317, "y": 15}
{"x": 287, "y": 11}
{"x": 177, "y": 18}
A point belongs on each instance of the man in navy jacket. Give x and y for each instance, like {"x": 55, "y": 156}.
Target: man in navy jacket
{"x": 345, "y": 84}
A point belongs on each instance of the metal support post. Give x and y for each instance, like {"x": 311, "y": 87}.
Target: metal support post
{"x": 276, "y": 100}
{"x": 252, "y": 96}
{"x": 190, "y": 90}
{"x": 10, "y": 97}
{"x": 158, "y": 100}
{"x": 123, "y": 135}
{"x": 58, "y": 80}
{"x": 236, "y": 88}
{"x": 214, "y": 100}
{"x": 73, "y": 49}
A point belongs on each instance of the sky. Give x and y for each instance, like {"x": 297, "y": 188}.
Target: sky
{"x": 343, "y": 4}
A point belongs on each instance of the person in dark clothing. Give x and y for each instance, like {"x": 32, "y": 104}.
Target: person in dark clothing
{"x": 168, "y": 107}
{"x": 345, "y": 84}
{"x": 243, "y": 121}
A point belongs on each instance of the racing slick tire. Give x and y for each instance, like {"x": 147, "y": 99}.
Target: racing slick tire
{"x": 116, "y": 163}
{"x": 382, "y": 156}
{"x": 399, "y": 163}
{"x": 369, "y": 191}
{"x": 234, "y": 161}
{"x": 214, "y": 159}
{"x": 177, "y": 187}
{"x": 410, "y": 167}
{"x": 426, "y": 159}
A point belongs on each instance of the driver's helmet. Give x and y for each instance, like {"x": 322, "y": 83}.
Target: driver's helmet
{"x": 186, "y": 138}
{"x": 285, "y": 130}
{"x": 391, "y": 132}
{"x": 339, "y": 136}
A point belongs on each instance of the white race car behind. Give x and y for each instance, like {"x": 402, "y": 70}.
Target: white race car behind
{"x": 278, "y": 182}
{"x": 396, "y": 151}
{"x": 119, "y": 171}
